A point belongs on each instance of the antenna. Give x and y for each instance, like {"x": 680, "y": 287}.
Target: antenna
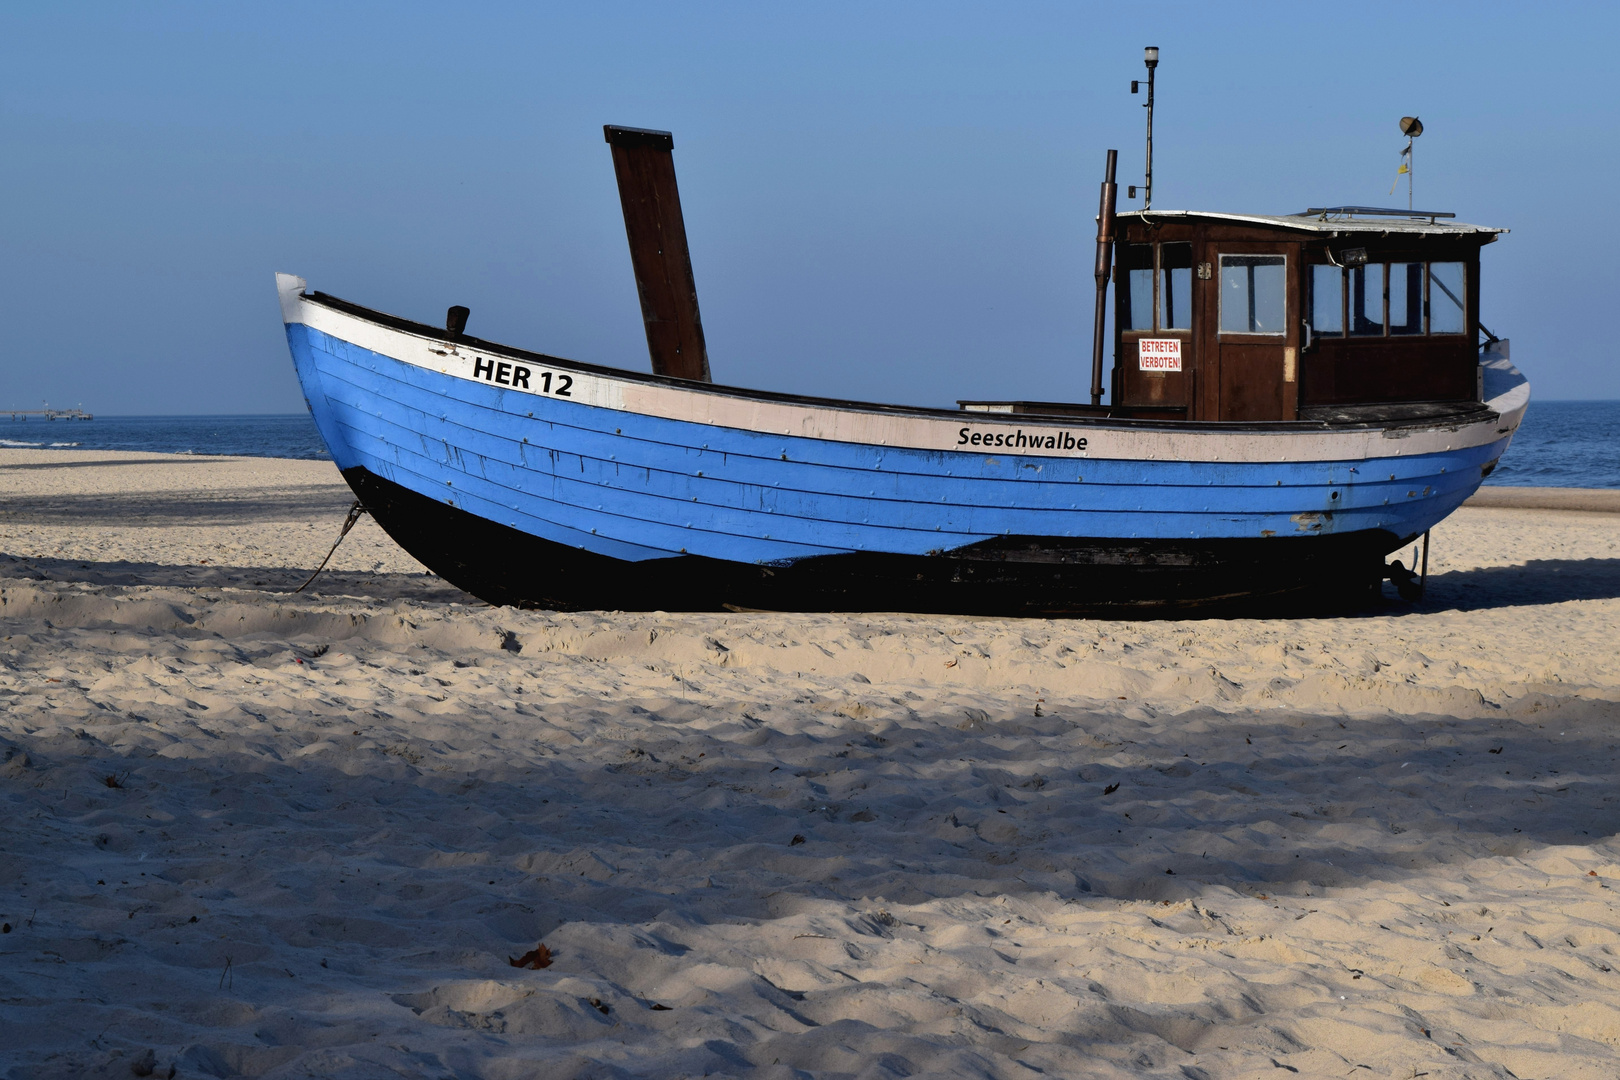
{"x": 1150, "y": 57}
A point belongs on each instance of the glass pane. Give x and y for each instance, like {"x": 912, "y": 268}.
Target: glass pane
{"x": 1367, "y": 299}
{"x": 1327, "y": 299}
{"x": 1406, "y": 298}
{"x": 1254, "y": 294}
{"x": 1137, "y": 284}
{"x": 1448, "y": 299}
{"x": 1175, "y": 287}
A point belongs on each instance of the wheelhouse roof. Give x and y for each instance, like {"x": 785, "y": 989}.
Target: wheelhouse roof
{"x": 1335, "y": 221}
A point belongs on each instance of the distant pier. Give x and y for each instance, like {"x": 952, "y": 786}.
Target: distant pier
{"x": 47, "y": 414}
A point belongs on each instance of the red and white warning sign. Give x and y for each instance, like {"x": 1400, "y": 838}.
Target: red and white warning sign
{"x": 1159, "y": 354}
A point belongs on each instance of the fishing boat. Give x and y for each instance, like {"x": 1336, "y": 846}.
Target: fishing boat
{"x": 1293, "y": 397}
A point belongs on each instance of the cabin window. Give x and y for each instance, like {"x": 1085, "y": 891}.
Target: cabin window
{"x": 1327, "y": 299}
{"x": 1405, "y": 298}
{"x": 1367, "y": 300}
{"x": 1138, "y": 284}
{"x": 1155, "y": 286}
{"x": 1175, "y": 287}
{"x": 1448, "y": 307}
{"x": 1254, "y": 294}
{"x": 1400, "y": 299}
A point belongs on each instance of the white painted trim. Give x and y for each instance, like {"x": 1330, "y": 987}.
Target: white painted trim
{"x": 290, "y": 289}
{"x": 1509, "y": 389}
{"x": 1417, "y": 224}
{"x": 873, "y": 427}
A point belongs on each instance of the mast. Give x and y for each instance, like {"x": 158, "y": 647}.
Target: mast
{"x": 1150, "y": 56}
{"x": 1411, "y": 127}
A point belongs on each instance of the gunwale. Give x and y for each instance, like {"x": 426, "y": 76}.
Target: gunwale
{"x": 916, "y": 427}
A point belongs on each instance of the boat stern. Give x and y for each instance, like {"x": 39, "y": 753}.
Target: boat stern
{"x": 1503, "y": 387}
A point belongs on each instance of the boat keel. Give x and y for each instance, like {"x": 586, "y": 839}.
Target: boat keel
{"x": 1015, "y": 575}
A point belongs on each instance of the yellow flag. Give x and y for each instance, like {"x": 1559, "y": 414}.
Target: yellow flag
{"x": 1398, "y": 174}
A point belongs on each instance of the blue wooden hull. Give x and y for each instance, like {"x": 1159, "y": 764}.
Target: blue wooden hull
{"x": 678, "y": 503}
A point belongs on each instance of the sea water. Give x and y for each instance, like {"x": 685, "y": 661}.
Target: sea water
{"x": 1564, "y": 444}
{"x": 291, "y": 436}
{"x": 1561, "y": 444}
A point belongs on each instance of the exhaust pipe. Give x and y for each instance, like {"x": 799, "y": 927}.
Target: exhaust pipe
{"x": 644, "y": 163}
{"x": 1105, "y": 262}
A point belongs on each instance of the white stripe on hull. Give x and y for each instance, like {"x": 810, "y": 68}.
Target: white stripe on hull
{"x": 854, "y": 423}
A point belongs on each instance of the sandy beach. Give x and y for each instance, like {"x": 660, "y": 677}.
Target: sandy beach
{"x": 252, "y": 833}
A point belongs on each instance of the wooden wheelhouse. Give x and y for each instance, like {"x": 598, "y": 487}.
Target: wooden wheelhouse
{"x": 1342, "y": 313}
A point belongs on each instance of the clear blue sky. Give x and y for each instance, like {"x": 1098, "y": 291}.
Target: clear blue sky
{"x": 889, "y": 202}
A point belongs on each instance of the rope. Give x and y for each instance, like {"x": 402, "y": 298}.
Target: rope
{"x": 348, "y": 523}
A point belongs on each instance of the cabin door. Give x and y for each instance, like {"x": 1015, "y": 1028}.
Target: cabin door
{"x": 1157, "y": 365}
{"x": 1252, "y": 331}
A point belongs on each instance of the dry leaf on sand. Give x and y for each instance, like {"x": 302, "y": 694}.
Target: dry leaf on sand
{"x": 535, "y": 959}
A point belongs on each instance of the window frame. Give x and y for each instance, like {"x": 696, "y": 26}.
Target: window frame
{"x": 1220, "y": 303}
{"x": 1385, "y": 334}
{"x": 1125, "y": 271}
{"x": 1344, "y": 301}
{"x": 1156, "y": 270}
{"x": 1158, "y": 281}
{"x": 1462, "y": 301}
{"x": 1351, "y": 313}
{"x": 1423, "y": 298}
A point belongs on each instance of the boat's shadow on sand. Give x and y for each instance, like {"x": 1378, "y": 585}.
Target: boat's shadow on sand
{"x": 1540, "y": 581}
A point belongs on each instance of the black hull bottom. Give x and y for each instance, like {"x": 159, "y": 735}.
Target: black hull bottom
{"x": 1032, "y": 576}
